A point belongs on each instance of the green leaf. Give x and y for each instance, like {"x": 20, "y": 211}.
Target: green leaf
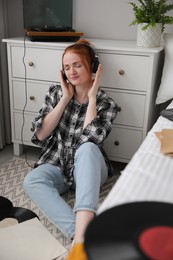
{"x": 152, "y": 12}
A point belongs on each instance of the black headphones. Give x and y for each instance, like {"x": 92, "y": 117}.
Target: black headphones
{"x": 94, "y": 59}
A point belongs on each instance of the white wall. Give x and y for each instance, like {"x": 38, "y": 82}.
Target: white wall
{"x": 104, "y": 19}
{"x": 107, "y": 19}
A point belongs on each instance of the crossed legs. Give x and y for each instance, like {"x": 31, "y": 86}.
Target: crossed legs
{"x": 45, "y": 184}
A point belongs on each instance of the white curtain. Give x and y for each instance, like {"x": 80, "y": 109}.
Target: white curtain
{"x": 5, "y": 126}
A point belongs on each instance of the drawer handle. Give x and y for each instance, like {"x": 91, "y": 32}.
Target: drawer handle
{"x": 121, "y": 72}
{"x": 118, "y": 109}
{"x": 117, "y": 143}
{"x": 31, "y": 63}
{"x": 31, "y": 97}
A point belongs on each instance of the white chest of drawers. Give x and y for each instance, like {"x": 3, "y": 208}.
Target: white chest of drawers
{"x": 131, "y": 77}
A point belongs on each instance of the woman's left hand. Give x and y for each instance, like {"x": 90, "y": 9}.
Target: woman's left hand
{"x": 96, "y": 83}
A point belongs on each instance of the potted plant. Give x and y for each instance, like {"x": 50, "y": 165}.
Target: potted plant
{"x": 151, "y": 18}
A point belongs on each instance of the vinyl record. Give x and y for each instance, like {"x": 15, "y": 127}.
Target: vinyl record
{"x": 5, "y": 207}
{"x": 8, "y": 211}
{"x": 124, "y": 232}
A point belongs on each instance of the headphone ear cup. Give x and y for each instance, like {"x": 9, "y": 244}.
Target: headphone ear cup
{"x": 94, "y": 56}
{"x": 64, "y": 76}
{"x": 95, "y": 64}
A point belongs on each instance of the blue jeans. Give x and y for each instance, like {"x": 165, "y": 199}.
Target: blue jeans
{"x": 45, "y": 184}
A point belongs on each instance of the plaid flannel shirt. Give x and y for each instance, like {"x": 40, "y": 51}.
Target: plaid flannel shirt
{"x": 60, "y": 147}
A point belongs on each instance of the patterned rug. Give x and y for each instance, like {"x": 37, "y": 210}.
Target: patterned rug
{"x": 11, "y": 178}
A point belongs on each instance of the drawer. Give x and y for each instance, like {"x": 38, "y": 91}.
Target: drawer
{"x": 122, "y": 143}
{"x": 125, "y": 71}
{"x": 35, "y": 95}
{"x": 131, "y": 106}
{"x": 40, "y": 64}
{"x": 27, "y": 129}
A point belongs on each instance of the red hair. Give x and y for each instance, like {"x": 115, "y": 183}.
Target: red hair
{"x": 82, "y": 48}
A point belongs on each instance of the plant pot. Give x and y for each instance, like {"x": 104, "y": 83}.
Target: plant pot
{"x": 151, "y": 37}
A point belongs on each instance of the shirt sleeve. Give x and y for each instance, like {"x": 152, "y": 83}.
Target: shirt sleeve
{"x": 99, "y": 128}
{"x": 52, "y": 97}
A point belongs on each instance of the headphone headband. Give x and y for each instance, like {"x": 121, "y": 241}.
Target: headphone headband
{"x": 95, "y": 61}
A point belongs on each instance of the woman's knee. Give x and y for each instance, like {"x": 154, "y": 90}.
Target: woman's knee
{"x": 37, "y": 176}
{"x": 30, "y": 178}
{"x": 88, "y": 148}
{"x": 45, "y": 176}
{"x": 90, "y": 154}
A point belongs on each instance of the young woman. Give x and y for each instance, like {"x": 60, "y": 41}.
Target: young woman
{"x": 71, "y": 127}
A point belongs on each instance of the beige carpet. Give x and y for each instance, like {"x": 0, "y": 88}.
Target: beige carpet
{"x": 11, "y": 178}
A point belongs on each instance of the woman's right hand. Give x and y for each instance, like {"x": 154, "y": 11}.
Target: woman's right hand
{"x": 67, "y": 87}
